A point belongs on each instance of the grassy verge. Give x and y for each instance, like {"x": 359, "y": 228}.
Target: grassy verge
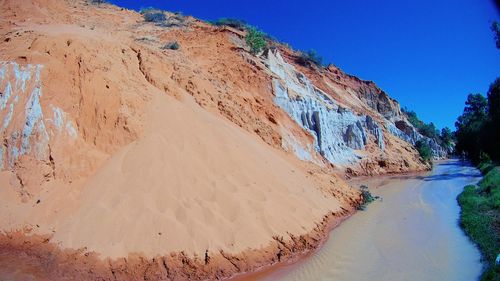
{"x": 480, "y": 217}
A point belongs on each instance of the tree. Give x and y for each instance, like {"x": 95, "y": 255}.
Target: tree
{"x": 429, "y": 130}
{"x": 446, "y": 136}
{"x": 476, "y": 106}
{"x": 494, "y": 101}
{"x": 492, "y": 128}
{"x": 470, "y": 126}
{"x": 424, "y": 150}
{"x": 495, "y": 27}
{"x": 412, "y": 117}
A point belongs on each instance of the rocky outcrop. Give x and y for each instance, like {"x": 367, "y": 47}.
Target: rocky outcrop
{"x": 375, "y": 130}
{"x": 338, "y": 132}
{"x": 407, "y": 132}
{"x": 378, "y": 99}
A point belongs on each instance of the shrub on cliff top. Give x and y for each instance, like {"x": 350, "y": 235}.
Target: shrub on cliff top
{"x": 153, "y": 15}
{"x": 235, "y": 23}
{"x": 163, "y": 18}
{"x": 307, "y": 57}
{"x": 255, "y": 40}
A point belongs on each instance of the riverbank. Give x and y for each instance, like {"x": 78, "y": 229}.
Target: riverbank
{"x": 35, "y": 257}
{"x": 19, "y": 253}
{"x": 480, "y": 217}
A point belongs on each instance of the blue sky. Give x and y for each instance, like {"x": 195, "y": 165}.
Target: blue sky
{"x": 428, "y": 54}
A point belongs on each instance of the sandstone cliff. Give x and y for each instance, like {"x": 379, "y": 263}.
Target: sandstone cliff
{"x": 201, "y": 162}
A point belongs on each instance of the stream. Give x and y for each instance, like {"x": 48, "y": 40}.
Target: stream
{"x": 411, "y": 233}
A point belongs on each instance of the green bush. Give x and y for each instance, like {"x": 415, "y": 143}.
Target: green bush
{"x": 163, "y": 19}
{"x": 480, "y": 217}
{"x": 173, "y": 45}
{"x": 153, "y": 15}
{"x": 310, "y": 57}
{"x": 255, "y": 40}
{"x": 366, "y": 196}
{"x": 426, "y": 129}
{"x": 424, "y": 150}
{"x": 495, "y": 27}
{"x": 485, "y": 166}
{"x": 235, "y": 23}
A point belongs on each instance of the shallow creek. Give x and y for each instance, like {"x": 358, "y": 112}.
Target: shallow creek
{"x": 411, "y": 233}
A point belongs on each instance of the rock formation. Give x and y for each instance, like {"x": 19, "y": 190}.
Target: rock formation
{"x": 121, "y": 158}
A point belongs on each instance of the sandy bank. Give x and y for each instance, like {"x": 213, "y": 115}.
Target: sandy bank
{"x": 24, "y": 256}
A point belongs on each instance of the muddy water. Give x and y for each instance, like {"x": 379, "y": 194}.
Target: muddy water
{"x": 411, "y": 234}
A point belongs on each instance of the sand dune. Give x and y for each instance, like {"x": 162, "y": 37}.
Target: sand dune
{"x": 192, "y": 183}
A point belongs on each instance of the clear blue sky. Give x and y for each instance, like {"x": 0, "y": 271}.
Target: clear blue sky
{"x": 428, "y": 54}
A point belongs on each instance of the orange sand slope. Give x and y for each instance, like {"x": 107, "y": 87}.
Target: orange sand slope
{"x": 192, "y": 182}
{"x": 201, "y": 182}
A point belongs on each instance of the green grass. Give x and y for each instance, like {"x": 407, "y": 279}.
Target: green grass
{"x": 480, "y": 217}
{"x": 485, "y": 167}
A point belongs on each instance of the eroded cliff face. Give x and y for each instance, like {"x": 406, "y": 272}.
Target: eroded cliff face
{"x": 334, "y": 117}
{"x": 225, "y": 160}
{"x": 338, "y": 132}
{"x": 342, "y": 133}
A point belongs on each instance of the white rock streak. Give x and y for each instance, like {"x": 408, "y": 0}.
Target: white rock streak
{"x": 21, "y": 97}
